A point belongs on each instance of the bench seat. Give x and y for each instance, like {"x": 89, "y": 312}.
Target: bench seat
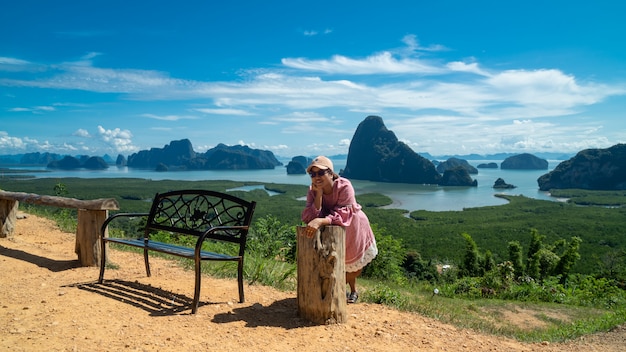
{"x": 184, "y": 252}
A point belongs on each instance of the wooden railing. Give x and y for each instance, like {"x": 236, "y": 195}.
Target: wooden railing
{"x": 91, "y": 216}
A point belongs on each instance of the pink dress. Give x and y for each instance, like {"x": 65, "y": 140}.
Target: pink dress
{"x": 341, "y": 209}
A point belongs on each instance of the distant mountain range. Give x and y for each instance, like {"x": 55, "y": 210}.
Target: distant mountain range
{"x": 38, "y": 158}
{"x": 375, "y": 154}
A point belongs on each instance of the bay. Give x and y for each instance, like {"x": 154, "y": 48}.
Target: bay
{"x": 405, "y": 196}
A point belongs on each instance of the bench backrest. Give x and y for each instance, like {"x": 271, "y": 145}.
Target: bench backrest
{"x": 194, "y": 212}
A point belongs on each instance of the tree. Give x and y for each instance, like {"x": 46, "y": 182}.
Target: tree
{"x": 568, "y": 258}
{"x": 612, "y": 265}
{"x": 387, "y": 264}
{"x": 488, "y": 262}
{"x": 416, "y": 267}
{"x": 471, "y": 259}
{"x": 532, "y": 263}
{"x": 515, "y": 257}
{"x": 60, "y": 190}
{"x": 272, "y": 239}
{"x": 544, "y": 262}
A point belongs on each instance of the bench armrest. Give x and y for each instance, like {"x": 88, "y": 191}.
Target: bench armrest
{"x": 213, "y": 232}
{"x": 119, "y": 215}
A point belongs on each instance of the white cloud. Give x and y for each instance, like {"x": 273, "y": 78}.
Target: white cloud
{"x": 312, "y": 33}
{"x": 413, "y": 45}
{"x": 11, "y": 143}
{"x": 235, "y": 112}
{"x": 117, "y": 139}
{"x": 169, "y": 117}
{"x": 81, "y": 133}
{"x": 244, "y": 144}
{"x": 382, "y": 63}
{"x": 277, "y": 148}
{"x": 12, "y": 61}
{"x": 35, "y": 109}
{"x": 473, "y": 67}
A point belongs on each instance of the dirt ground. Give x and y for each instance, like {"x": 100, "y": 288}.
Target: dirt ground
{"x": 48, "y": 303}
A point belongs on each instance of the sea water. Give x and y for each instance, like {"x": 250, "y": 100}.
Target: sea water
{"x": 405, "y": 196}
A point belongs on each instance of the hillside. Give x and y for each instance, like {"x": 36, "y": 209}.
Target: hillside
{"x": 49, "y": 304}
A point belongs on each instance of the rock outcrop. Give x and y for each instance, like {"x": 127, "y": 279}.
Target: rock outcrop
{"x": 500, "y": 184}
{"x": 67, "y": 163}
{"x": 39, "y": 158}
{"x": 95, "y": 163}
{"x": 457, "y": 176}
{"x": 452, "y": 163}
{"x": 592, "y": 169}
{"x": 524, "y": 162}
{"x": 238, "y": 157}
{"x": 72, "y": 163}
{"x": 179, "y": 155}
{"x": 375, "y": 154}
{"x": 298, "y": 165}
{"x": 487, "y": 166}
{"x": 121, "y": 160}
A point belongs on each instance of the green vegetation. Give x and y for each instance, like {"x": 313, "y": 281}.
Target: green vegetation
{"x": 584, "y": 197}
{"x": 561, "y": 264}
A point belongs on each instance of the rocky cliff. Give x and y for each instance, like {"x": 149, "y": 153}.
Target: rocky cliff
{"x": 501, "y": 184}
{"x": 487, "y": 166}
{"x": 72, "y": 163}
{"x": 457, "y": 176}
{"x": 593, "y": 169}
{"x": 39, "y": 158}
{"x": 298, "y": 165}
{"x": 181, "y": 156}
{"x": 375, "y": 154}
{"x": 452, "y": 163}
{"x": 176, "y": 153}
{"x": 524, "y": 162}
{"x": 236, "y": 157}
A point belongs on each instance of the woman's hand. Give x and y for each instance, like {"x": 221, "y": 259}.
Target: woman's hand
{"x": 314, "y": 225}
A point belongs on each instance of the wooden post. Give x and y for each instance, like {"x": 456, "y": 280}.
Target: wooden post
{"x": 8, "y": 217}
{"x": 91, "y": 215}
{"x": 321, "y": 275}
{"x": 87, "y": 236}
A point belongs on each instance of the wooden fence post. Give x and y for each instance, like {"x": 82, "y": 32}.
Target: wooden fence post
{"x": 321, "y": 293}
{"x": 8, "y": 216}
{"x": 91, "y": 216}
{"x": 87, "y": 236}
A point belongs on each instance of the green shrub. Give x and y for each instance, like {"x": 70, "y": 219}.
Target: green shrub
{"x": 383, "y": 294}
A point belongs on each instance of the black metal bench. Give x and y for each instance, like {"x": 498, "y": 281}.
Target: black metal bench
{"x": 208, "y": 215}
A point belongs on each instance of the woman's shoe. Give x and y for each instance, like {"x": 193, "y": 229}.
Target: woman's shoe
{"x": 353, "y": 297}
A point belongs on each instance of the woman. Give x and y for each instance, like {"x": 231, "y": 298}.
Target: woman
{"x": 331, "y": 201}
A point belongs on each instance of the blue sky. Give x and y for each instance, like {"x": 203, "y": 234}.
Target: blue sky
{"x": 297, "y": 77}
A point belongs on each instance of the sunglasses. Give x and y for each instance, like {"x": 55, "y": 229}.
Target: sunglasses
{"x": 319, "y": 173}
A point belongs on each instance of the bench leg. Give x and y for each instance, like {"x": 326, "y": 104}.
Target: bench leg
{"x": 103, "y": 260}
{"x": 196, "y": 293}
{"x": 104, "y": 232}
{"x": 146, "y": 261}
{"x": 240, "y": 280}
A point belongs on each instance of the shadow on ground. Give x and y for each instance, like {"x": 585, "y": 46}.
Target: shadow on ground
{"x": 43, "y": 262}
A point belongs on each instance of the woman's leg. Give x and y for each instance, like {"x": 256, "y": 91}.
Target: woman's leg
{"x": 351, "y": 279}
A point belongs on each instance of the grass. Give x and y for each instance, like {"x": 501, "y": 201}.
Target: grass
{"x": 434, "y": 233}
{"x": 523, "y": 321}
